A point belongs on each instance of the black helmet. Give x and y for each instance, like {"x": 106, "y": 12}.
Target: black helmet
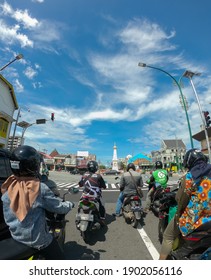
{"x": 131, "y": 165}
{"x": 158, "y": 164}
{"x": 192, "y": 156}
{"x": 25, "y": 161}
{"x": 92, "y": 166}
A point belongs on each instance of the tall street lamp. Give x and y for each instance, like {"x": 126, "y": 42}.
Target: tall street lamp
{"x": 16, "y": 122}
{"x": 181, "y": 94}
{"x": 189, "y": 75}
{"x": 18, "y": 57}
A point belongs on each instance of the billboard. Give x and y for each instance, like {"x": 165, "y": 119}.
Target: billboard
{"x": 82, "y": 153}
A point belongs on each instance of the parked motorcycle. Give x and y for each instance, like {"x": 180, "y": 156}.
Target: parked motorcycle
{"x": 10, "y": 249}
{"x": 88, "y": 216}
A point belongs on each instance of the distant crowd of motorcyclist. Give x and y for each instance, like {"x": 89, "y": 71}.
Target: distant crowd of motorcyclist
{"x": 25, "y": 198}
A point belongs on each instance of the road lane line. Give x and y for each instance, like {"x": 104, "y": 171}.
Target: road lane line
{"x": 147, "y": 241}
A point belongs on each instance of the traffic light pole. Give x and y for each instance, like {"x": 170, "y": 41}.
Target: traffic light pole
{"x": 203, "y": 119}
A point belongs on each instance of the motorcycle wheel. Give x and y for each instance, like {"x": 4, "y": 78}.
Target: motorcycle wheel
{"x": 161, "y": 228}
{"x": 134, "y": 222}
{"x": 85, "y": 236}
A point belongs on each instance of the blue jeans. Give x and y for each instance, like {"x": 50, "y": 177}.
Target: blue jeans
{"x": 119, "y": 203}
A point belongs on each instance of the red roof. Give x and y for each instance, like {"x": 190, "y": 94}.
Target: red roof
{"x": 45, "y": 155}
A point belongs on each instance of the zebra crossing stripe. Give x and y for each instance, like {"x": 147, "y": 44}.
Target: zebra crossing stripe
{"x": 113, "y": 186}
{"x": 63, "y": 185}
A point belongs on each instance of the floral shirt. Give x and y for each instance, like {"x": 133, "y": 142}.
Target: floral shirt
{"x": 198, "y": 210}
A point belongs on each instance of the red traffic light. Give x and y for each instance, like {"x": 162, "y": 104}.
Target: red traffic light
{"x": 52, "y": 116}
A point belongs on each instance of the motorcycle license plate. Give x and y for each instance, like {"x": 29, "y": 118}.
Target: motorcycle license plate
{"x": 136, "y": 208}
{"x": 85, "y": 217}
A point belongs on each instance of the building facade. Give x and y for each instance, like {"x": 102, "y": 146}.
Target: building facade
{"x": 8, "y": 104}
{"x": 200, "y": 136}
{"x": 171, "y": 154}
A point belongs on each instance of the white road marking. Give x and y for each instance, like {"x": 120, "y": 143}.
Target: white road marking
{"x": 147, "y": 241}
{"x": 113, "y": 186}
{"x": 110, "y": 186}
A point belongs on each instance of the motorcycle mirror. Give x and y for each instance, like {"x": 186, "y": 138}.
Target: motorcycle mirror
{"x": 44, "y": 178}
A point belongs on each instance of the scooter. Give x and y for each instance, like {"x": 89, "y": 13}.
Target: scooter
{"x": 195, "y": 245}
{"x": 10, "y": 249}
{"x": 88, "y": 217}
{"x": 132, "y": 210}
{"x": 167, "y": 207}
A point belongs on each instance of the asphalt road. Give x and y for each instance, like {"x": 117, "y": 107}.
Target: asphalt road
{"x": 117, "y": 240}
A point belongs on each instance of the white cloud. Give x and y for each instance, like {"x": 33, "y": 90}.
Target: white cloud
{"x": 21, "y": 16}
{"x": 18, "y": 86}
{"x": 145, "y": 36}
{"x": 11, "y": 35}
{"x": 30, "y": 72}
{"x": 38, "y": 1}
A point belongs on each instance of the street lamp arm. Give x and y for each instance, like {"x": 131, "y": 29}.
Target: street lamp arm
{"x": 19, "y": 56}
{"x": 179, "y": 87}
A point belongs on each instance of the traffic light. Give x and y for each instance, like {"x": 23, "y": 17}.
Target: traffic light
{"x": 207, "y": 118}
{"x": 52, "y": 116}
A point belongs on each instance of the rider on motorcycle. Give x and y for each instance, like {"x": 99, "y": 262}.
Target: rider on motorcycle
{"x": 91, "y": 181}
{"x": 25, "y": 200}
{"x": 127, "y": 186}
{"x": 193, "y": 200}
{"x": 159, "y": 176}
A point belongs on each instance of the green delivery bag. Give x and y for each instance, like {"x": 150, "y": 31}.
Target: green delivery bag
{"x": 172, "y": 212}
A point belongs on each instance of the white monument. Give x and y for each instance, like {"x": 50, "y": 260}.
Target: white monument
{"x": 115, "y": 160}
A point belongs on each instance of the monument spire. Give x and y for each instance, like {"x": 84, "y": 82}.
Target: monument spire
{"x": 115, "y": 159}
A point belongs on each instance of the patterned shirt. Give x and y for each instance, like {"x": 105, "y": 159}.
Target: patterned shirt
{"x": 198, "y": 210}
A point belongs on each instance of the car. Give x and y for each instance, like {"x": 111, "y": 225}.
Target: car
{"x": 111, "y": 172}
{"x": 5, "y": 172}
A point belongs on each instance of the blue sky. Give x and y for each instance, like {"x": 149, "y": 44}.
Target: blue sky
{"x": 81, "y": 62}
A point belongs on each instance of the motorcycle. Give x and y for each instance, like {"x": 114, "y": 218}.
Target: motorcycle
{"x": 10, "y": 249}
{"x": 88, "y": 218}
{"x": 162, "y": 200}
{"x": 195, "y": 245}
{"x": 132, "y": 210}
{"x": 164, "y": 207}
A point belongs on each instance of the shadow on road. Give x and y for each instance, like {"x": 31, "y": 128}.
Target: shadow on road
{"x": 74, "y": 251}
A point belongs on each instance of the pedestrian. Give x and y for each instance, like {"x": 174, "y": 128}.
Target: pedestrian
{"x": 128, "y": 186}
{"x": 193, "y": 200}
{"x": 91, "y": 181}
{"x": 159, "y": 176}
{"x": 25, "y": 199}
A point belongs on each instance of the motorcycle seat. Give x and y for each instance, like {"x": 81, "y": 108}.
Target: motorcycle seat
{"x": 13, "y": 250}
{"x": 130, "y": 197}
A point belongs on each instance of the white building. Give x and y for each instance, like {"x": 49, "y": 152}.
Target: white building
{"x": 8, "y": 104}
